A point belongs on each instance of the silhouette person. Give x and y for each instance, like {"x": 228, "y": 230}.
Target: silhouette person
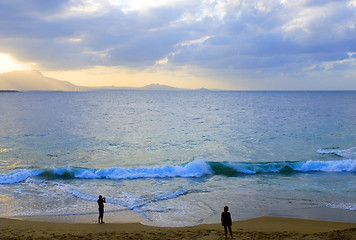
{"x": 101, "y": 202}
{"x": 226, "y": 221}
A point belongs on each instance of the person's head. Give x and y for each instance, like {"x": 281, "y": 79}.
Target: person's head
{"x": 100, "y": 197}
{"x": 226, "y": 208}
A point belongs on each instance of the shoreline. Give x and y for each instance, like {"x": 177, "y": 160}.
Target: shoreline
{"x": 116, "y": 217}
{"x": 267, "y": 227}
{"x": 318, "y": 214}
{"x": 123, "y": 216}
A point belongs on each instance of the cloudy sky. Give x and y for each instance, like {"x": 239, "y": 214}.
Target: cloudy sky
{"x": 225, "y": 44}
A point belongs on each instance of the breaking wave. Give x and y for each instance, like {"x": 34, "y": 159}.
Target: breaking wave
{"x": 196, "y": 168}
{"x": 349, "y": 153}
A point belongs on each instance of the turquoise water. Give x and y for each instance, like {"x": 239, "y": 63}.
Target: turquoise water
{"x": 176, "y": 158}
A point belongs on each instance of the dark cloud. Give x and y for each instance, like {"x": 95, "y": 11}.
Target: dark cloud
{"x": 23, "y": 9}
{"x": 238, "y": 37}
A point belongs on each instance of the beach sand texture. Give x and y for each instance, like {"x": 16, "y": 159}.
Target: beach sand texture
{"x": 258, "y": 228}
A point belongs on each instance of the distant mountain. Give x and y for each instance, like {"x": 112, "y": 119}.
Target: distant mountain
{"x": 151, "y": 87}
{"x": 34, "y": 81}
{"x": 159, "y": 87}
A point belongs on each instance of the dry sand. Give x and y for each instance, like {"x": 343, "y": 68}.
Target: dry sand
{"x": 258, "y": 228}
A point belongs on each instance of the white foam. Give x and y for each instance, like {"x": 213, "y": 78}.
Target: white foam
{"x": 18, "y": 176}
{"x": 329, "y": 166}
{"x": 171, "y": 195}
{"x": 308, "y": 166}
{"x": 196, "y": 168}
{"x": 346, "y": 206}
{"x": 128, "y": 200}
{"x": 346, "y": 153}
{"x": 82, "y": 195}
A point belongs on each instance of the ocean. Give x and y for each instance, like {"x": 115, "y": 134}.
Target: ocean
{"x": 177, "y": 157}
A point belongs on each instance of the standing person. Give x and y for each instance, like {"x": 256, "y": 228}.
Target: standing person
{"x": 226, "y": 221}
{"x": 101, "y": 202}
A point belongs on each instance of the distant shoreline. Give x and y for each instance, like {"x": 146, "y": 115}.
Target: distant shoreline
{"x": 9, "y": 91}
{"x": 103, "y": 89}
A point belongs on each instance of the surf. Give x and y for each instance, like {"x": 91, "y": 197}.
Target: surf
{"x": 194, "y": 169}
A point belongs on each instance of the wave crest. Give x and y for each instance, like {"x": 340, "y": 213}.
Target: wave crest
{"x": 349, "y": 153}
{"x": 196, "y": 168}
{"x": 18, "y": 175}
{"x": 233, "y": 168}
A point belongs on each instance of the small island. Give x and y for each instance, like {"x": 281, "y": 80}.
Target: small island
{"x": 9, "y": 90}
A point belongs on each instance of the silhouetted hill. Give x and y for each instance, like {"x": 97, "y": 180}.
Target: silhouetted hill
{"x": 159, "y": 87}
{"x": 34, "y": 81}
{"x": 151, "y": 87}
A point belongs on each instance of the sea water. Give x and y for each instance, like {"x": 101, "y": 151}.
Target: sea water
{"x": 176, "y": 157}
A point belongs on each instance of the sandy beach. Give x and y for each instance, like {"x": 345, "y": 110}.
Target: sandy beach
{"x": 267, "y": 227}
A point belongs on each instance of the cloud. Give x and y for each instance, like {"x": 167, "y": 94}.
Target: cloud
{"x": 245, "y": 40}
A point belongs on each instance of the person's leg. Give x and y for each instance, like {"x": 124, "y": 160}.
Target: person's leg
{"x": 101, "y": 216}
{"x": 230, "y": 231}
{"x": 225, "y": 228}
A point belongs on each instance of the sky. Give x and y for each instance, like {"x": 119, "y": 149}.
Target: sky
{"x": 223, "y": 44}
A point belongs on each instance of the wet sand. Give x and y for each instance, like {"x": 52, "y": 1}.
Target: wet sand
{"x": 268, "y": 227}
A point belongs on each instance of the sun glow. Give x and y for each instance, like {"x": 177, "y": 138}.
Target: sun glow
{"x": 8, "y": 64}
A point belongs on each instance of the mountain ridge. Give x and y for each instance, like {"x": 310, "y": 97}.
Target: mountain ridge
{"x": 33, "y": 80}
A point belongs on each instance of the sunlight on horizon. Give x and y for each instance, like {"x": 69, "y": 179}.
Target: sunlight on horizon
{"x": 117, "y": 76}
{"x": 126, "y": 77}
{"x": 8, "y": 64}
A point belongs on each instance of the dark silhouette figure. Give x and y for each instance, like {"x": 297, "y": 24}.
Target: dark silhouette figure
{"x": 101, "y": 202}
{"x": 226, "y": 221}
